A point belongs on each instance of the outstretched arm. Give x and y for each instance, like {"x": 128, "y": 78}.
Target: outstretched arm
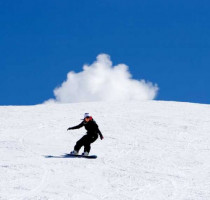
{"x": 76, "y": 127}
{"x": 100, "y": 134}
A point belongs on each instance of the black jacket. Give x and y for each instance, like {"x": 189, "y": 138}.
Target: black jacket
{"x": 91, "y": 127}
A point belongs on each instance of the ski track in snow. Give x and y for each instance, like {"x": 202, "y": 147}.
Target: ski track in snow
{"x": 152, "y": 150}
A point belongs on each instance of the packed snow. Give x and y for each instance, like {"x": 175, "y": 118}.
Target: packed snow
{"x": 152, "y": 150}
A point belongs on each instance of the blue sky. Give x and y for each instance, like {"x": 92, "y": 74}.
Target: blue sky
{"x": 165, "y": 42}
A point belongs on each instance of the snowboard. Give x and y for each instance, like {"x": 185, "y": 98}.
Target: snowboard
{"x": 68, "y": 155}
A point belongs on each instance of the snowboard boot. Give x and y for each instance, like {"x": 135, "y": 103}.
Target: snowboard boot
{"x": 74, "y": 152}
{"x": 85, "y": 153}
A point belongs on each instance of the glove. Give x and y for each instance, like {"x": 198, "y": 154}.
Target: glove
{"x": 102, "y": 137}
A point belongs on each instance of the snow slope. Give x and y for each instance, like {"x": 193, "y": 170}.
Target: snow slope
{"x": 152, "y": 150}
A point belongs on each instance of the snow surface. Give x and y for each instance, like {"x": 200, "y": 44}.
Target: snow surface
{"x": 152, "y": 150}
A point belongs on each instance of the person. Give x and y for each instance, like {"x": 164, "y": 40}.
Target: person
{"x": 91, "y": 136}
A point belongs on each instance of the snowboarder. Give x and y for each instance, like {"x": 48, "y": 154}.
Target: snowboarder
{"x": 91, "y": 136}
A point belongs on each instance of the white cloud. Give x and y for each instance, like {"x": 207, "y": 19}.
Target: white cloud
{"x": 101, "y": 81}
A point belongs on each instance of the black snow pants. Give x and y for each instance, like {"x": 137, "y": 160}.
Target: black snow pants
{"x": 85, "y": 141}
